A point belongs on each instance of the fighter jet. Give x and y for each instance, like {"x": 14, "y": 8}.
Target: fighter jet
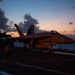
{"x": 44, "y": 39}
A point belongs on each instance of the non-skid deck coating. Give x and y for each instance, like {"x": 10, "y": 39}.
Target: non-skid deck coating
{"x": 38, "y": 63}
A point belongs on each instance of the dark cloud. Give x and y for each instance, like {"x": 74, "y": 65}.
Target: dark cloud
{"x": 5, "y": 24}
{"x": 28, "y": 20}
{"x": 3, "y": 20}
{"x": 8, "y": 26}
{"x": 43, "y": 10}
{"x": 73, "y": 7}
{"x": 70, "y": 23}
{"x": 64, "y": 31}
{"x": 1, "y": 0}
{"x": 74, "y": 31}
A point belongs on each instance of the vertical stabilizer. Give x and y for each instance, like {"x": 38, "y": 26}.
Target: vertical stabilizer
{"x": 19, "y": 31}
{"x": 31, "y": 30}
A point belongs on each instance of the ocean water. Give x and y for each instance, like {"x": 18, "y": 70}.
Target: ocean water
{"x": 57, "y": 46}
{"x": 64, "y": 46}
{"x": 4, "y": 73}
{"x": 18, "y": 44}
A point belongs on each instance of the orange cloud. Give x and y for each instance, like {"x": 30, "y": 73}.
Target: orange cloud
{"x": 13, "y": 34}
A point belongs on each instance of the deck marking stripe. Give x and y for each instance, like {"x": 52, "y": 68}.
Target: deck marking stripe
{"x": 36, "y": 67}
{"x": 64, "y": 53}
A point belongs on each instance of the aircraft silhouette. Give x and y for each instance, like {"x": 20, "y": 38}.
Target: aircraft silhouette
{"x": 44, "y": 39}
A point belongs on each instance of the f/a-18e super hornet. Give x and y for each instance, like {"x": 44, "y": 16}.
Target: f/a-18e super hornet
{"x": 44, "y": 39}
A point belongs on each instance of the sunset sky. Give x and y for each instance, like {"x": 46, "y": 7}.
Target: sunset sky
{"x": 51, "y": 14}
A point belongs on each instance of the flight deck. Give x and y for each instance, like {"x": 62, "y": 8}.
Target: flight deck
{"x": 23, "y": 62}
